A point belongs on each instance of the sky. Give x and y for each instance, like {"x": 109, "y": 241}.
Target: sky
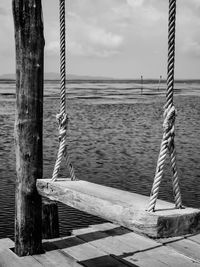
{"x": 113, "y": 38}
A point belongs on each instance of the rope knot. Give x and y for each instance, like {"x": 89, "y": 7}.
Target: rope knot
{"x": 169, "y": 118}
{"x": 62, "y": 119}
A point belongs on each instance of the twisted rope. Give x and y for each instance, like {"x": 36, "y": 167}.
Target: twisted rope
{"x": 167, "y": 144}
{"x": 62, "y": 117}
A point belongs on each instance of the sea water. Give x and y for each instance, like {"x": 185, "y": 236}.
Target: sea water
{"x": 114, "y": 137}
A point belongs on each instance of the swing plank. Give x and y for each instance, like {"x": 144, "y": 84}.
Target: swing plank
{"x": 124, "y": 208}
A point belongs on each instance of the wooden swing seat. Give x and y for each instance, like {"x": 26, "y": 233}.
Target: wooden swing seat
{"x": 121, "y": 207}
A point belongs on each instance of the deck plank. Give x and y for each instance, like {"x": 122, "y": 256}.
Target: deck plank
{"x": 107, "y": 245}
{"x": 195, "y": 238}
{"x": 83, "y": 231}
{"x": 57, "y": 256}
{"x": 187, "y": 247}
{"x": 106, "y": 261}
{"x": 84, "y": 252}
{"x": 116, "y": 240}
{"x": 64, "y": 260}
{"x": 57, "y": 259}
{"x": 10, "y": 259}
{"x": 44, "y": 260}
{"x": 169, "y": 239}
{"x": 138, "y": 242}
{"x": 135, "y": 241}
{"x": 112, "y": 245}
{"x": 104, "y": 226}
{"x": 6, "y": 243}
{"x": 160, "y": 257}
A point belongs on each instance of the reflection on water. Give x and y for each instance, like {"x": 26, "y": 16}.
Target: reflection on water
{"x": 114, "y": 138}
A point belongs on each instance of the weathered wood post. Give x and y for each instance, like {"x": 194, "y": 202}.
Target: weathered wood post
{"x": 50, "y": 219}
{"x": 28, "y": 124}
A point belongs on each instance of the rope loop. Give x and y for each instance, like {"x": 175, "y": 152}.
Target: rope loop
{"x": 169, "y": 118}
{"x": 62, "y": 119}
{"x": 167, "y": 144}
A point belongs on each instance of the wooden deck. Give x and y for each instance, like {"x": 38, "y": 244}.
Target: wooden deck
{"x": 107, "y": 245}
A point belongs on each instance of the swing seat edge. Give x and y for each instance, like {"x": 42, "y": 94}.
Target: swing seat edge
{"x": 122, "y": 207}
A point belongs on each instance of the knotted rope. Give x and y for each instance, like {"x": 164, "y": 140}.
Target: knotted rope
{"x": 167, "y": 144}
{"x": 62, "y": 117}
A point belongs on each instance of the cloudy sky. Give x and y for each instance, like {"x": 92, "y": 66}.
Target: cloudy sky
{"x": 113, "y": 38}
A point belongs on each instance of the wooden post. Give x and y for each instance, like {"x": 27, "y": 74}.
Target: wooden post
{"x": 28, "y": 124}
{"x": 50, "y": 220}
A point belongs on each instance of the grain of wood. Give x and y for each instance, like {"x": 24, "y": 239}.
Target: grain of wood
{"x": 50, "y": 220}
{"x": 105, "y": 226}
{"x": 122, "y": 207}
{"x": 138, "y": 242}
{"x": 83, "y": 231}
{"x": 44, "y": 260}
{"x": 57, "y": 259}
{"x": 162, "y": 256}
{"x": 111, "y": 245}
{"x": 195, "y": 238}
{"x": 29, "y": 42}
{"x": 6, "y": 243}
{"x": 187, "y": 247}
{"x": 10, "y": 259}
{"x": 84, "y": 252}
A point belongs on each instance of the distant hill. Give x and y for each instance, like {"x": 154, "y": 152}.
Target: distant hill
{"x": 56, "y": 76}
{"x": 7, "y": 77}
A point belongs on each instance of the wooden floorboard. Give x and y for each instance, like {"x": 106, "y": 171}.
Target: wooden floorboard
{"x": 187, "y": 247}
{"x": 106, "y": 261}
{"x": 104, "y": 226}
{"x": 160, "y": 257}
{"x": 52, "y": 259}
{"x": 107, "y": 245}
{"x": 10, "y": 259}
{"x": 6, "y": 243}
{"x": 84, "y": 252}
{"x": 116, "y": 240}
{"x": 195, "y": 238}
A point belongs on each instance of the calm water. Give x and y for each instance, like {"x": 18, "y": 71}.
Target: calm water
{"x": 114, "y": 138}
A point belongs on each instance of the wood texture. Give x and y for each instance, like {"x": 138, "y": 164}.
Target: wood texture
{"x": 28, "y": 124}
{"x": 93, "y": 245}
{"x": 195, "y": 238}
{"x": 9, "y": 259}
{"x": 50, "y": 220}
{"x": 6, "y": 243}
{"x": 121, "y": 207}
{"x": 187, "y": 247}
{"x": 162, "y": 256}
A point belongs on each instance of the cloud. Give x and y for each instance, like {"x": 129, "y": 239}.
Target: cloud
{"x": 85, "y": 38}
{"x": 3, "y": 11}
{"x": 192, "y": 48}
{"x": 78, "y": 49}
{"x": 53, "y": 47}
{"x": 135, "y": 3}
{"x": 103, "y": 38}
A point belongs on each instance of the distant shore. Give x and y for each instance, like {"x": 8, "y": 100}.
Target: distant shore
{"x": 109, "y": 80}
